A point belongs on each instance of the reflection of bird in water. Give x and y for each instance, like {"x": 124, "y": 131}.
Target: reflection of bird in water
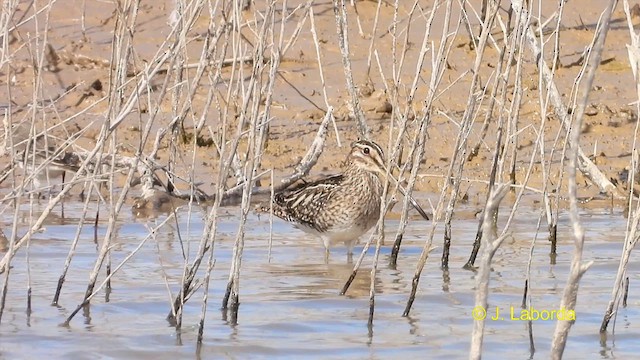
{"x": 302, "y": 278}
{"x": 339, "y": 208}
{"x": 154, "y": 201}
{"x": 37, "y": 153}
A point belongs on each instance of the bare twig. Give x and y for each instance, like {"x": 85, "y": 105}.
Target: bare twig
{"x": 586, "y": 166}
{"x": 578, "y": 268}
{"x": 491, "y": 244}
{"x": 343, "y": 41}
{"x": 631, "y": 235}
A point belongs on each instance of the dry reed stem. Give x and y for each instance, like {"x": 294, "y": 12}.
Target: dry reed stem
{"x": 482, "y": 43}
{"x": 74, "y": 244}
{"x": 12, "y": 240}
{"x": 343, "y": 40}
{"x": 517, "y": 43}
{"x": 586, "y": 166}
{"x": 438, "y": 69}
{"x": 171, "y": 59}
{"x": 231, "y": 300}
{"x": 35, "y": 226}
{"x": 491, "y": 244}
{"x": 121, "y": 47}
{"x": 578, "y": 268}
{"x": 189, "y": 282}
{"x": 633, "y": 215}
{"x": 499, "y": 83}
{"x": 379, "y": 235}
{"x": 520, "y": 27}
{"x": 374, "y": 30}
{"x": 417, "y": 150}
{"x": 460, "y": 149}
{"x": 526, "y": 296}
{"x": 551, "y": 214}
{"x": 206, "y": 244}
{"x": 316, "y": 44}
{"x": 107, "y": 279}
{"x": 523, "y": 24}
{"x": 403, "y": 116}
{"x": 312, "y": 155}
{"x": 420, "y": 136}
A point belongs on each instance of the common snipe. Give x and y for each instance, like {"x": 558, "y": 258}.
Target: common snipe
{"x": 37, "y": 154}
{"x": 338, "y": 208}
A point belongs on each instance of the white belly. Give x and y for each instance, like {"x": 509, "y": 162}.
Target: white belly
{"x": 348, "y": 236}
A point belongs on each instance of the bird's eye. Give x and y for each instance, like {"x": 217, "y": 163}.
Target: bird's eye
{"x": 366, "y": 151}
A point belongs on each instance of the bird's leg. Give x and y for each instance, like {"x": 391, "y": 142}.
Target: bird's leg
{"x": 326, "y": 255}
{"x": 350, "y": 245}
{"x": 61, "y": 189}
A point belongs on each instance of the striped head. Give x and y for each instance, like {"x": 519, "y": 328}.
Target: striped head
{"x": 368, "y": 156}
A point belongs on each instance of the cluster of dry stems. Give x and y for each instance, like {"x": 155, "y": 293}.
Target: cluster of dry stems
{"x": 234, "y": 80}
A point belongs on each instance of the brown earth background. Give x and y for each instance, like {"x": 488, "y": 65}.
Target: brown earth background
{"x": 60, "y": 64}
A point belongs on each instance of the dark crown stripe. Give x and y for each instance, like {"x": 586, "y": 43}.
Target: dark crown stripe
{"x": 375, "y": 146}
{"x": 379, "y": 160}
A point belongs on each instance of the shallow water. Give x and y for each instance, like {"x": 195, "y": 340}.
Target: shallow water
{"x": 290, "y": 305}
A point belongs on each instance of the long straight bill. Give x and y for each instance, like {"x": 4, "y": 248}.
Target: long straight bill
{"x": 413, "y": 201}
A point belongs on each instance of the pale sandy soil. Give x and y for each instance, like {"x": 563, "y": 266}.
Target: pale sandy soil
{"x": 76, "y": 79}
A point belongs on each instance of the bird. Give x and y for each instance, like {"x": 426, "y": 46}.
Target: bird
{"x": 4, "y": 242}
{"x": 152, "y": 200}
{"x": 37, "y": 154}
{"x": 338, "y": 208}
